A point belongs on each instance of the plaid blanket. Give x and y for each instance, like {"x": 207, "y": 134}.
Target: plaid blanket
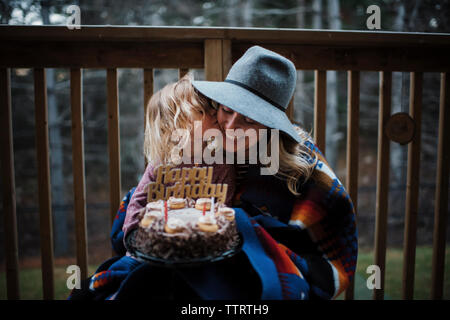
{"x": 301, "y": 247}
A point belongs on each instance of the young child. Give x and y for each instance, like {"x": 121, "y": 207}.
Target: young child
{"x": 176, "y": 106}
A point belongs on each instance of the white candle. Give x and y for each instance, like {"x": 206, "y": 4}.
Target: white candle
{"x": 212, "y": 206}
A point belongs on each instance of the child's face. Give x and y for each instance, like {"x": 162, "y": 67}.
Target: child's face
{"x": 210, "y": 119}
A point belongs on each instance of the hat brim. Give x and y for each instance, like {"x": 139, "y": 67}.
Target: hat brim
{"x": 248, "y": 104}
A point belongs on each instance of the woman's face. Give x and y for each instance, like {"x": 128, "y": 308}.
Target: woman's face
{"x": 231, "y": 120}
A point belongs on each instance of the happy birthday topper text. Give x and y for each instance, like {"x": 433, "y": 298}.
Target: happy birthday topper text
{"x": 185, "y": 182}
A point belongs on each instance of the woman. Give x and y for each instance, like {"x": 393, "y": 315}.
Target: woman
{"x": 303, "y": 206}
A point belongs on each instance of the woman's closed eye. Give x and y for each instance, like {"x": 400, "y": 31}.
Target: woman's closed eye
{"x": 226, "y": 109}
{"x": 246, "y": 119}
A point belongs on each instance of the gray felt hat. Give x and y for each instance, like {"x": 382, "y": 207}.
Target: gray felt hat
{"x": 259, "y": 86}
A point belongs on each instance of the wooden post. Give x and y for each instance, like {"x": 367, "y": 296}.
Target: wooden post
{"x": 9, "y": 187}
{"x": 213, "y": 60}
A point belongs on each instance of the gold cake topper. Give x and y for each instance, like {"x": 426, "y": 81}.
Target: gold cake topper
{"x": 186, "y": 182}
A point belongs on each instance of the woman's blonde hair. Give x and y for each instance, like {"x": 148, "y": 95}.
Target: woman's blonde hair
{"x": 176, "y": 106}
{"x": 296, "y": 163}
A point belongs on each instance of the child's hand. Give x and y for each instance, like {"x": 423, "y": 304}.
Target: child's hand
{"x": 141, "y": 213}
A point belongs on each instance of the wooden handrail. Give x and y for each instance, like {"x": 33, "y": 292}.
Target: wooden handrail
{"x": 354, "y": 38}
{"x": 159, "y": 47}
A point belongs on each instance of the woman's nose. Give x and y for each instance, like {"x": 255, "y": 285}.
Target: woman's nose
{"x": 233, "y": 121}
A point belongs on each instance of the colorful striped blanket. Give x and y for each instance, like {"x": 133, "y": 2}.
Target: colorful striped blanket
{"x": 301, "y": 247}
{"x": 316, "y": 230}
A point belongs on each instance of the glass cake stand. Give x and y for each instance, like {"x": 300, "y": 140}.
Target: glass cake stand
{"x": 180, "y": 263}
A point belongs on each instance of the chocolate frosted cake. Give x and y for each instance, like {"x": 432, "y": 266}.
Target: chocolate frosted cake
{"x": 180, "y": 229}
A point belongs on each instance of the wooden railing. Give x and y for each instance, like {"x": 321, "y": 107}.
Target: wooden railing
{"x": 215, "y": 49}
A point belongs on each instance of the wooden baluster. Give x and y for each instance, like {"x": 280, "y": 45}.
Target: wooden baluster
{"x": 44, "y": 189}
{"x": 148, "y": 92}
{"x": 113, "y": 142}
{"x": 352, "y": 149}
{"x": 290, "y": 109}
{"x": 8, "y": 187}
{"x": 182, "y": 72}
{"x": 412, "y": 187}
{"x": 320, "y": 108}
{"x": 226, "y": 57}
{"x": 441, "y": 196}
{"x": 148, "y": 87}
{"x": 79, "y": 185}
{"x": 385, "y": 88}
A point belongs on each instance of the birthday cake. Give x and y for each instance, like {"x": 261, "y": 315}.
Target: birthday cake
{"x": 183, "y": 228}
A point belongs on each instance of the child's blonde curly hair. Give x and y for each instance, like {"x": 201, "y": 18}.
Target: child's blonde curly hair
{"x": 176, "y": 106}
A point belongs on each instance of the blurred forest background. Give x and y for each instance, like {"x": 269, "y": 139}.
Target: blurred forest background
{"x": 407, "y": 16}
